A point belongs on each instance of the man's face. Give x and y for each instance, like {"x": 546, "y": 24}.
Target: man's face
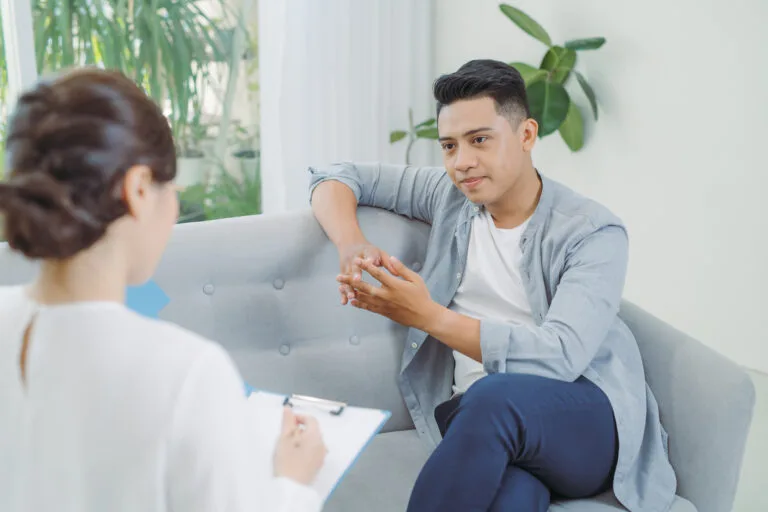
{"x": 483, "y": 153}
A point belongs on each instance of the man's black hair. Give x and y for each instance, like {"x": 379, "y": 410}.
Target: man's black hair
{"x": 485, "y": 78}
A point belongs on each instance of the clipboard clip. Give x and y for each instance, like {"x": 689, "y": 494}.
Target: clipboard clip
{"x": 335, "y": 408}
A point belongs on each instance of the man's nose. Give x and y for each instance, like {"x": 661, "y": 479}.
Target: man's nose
{"x": 465, "y": 160}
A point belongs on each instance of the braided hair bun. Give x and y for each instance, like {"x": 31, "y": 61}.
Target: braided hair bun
{"x": 69, "y": 144}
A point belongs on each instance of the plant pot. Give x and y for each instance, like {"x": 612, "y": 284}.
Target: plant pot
{"x": 245, "y": 163}
{"x": 190, "y": 171}
{"x": 190, "y": 212}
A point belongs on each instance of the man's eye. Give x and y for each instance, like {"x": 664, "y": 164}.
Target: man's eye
{"x": 481, "y": 139}
{"x": 447, "y": 147}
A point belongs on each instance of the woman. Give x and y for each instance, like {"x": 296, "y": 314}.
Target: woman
{"x": 102, "y": 409}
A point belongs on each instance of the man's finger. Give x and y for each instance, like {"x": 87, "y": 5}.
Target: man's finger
{"x": 347, "y": 293}
{"x": 379, "y": 274}
{"x": 386, "y": 262}
{"x": 402, "y": 270}
{"x": 359, "y": 285}
{"x": 361, "y": 303}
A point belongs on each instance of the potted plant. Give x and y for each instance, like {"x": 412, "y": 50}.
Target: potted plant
{"x": 245, "y": 152}
{"x": 191, "y": 163}
{"x": 550, "y": 103}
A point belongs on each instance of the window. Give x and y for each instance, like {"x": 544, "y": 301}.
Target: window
{"x": 196, "y": 58}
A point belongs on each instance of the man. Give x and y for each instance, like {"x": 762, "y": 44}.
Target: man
{"x": 515, "y": 311}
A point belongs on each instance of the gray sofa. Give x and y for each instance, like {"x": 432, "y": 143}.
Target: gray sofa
{"x": 264, "y": 288}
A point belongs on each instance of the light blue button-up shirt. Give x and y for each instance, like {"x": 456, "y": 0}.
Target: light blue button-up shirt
{"x": 573, "y": 268}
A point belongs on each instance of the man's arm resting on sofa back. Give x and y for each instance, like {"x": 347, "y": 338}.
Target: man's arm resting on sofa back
{"x": 413, "y": 192}
{"x": 335, "y": 207}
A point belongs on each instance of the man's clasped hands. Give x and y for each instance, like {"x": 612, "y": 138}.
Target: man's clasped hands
{"x": 400, "y": 294}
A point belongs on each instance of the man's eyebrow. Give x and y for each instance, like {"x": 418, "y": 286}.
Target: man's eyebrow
{"x": 470, "y": 132}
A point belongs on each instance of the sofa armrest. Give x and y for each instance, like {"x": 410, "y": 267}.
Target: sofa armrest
{"x": 706, "y": 403}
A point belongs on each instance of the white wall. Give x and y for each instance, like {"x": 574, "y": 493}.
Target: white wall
{"x": 679, "y": 151}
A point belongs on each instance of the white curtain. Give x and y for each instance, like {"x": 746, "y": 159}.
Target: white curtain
{"x": 336, "y": 77}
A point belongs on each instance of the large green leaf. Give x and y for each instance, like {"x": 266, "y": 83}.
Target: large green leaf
{"x": 559, "y": 62}
{"x": 590, "y": 43}
{"x": 427, "y": 133}
{"x": 529, "y": 73}
{"x": 526, "y": 23}
{"x": 397, "y": 136}
{"x": 548, "y": 102}
{"x": 428, "y": 122}
{"x": 572, "y": 129}
{"x": 588, "y": 91}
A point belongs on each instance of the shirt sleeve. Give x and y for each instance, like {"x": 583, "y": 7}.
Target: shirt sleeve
{"x": 215, "y": 461}
{"x": 414, "y": 192}
{"x": 583, "y": 309}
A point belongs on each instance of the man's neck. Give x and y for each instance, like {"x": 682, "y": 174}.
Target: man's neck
{"x": 519, "y": 203}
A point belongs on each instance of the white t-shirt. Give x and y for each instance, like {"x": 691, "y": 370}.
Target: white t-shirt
{"x": 491, "y": 287}
{"x": 124, "y": 413}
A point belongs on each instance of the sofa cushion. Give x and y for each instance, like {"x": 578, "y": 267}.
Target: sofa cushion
{"x": 382, "y": 479}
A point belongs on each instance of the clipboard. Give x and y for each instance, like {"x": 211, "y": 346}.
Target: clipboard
{"x": 347, "y": 431}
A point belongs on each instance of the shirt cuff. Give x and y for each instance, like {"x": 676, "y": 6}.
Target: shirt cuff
{"x": 494, "y": 346}
{"x": 298, "y": 497}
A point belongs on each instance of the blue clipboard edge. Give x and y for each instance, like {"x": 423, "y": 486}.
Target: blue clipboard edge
{"x": 387, "y": 415}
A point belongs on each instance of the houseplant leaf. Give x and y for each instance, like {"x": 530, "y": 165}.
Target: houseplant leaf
{"x": 588, "y": 92}
{"x": 427, "y": 133}
{"x": 572, "y": 129}
{"x": 397, "y": 136}
{"x": 526, "y": 23}
{"x": 549, "y": 105}
{"x": 559, "y": 62}
{"x": 428, "y": 122}
{"x": 529, "y": 73}
{"x": 590, "y": 43}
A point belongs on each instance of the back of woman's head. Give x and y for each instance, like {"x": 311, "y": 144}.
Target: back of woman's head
{"x": 69, "y": 144}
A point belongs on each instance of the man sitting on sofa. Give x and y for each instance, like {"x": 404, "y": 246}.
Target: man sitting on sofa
{"x": 515, "y": 311}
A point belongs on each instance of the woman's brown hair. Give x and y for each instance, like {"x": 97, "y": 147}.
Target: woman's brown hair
{"x": 69, "y": 144}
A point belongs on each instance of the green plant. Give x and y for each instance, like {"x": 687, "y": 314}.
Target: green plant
{"x": 548, "y": 98}
{"x": 423, "y": 130}
{"x": 551, "y": 105}
{"x": 225, "y": 197}
{"x": 165, "y": 45}
{"x": 2, "y": 149}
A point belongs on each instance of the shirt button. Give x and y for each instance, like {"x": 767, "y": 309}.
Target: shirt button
{"x": 414, "y": 346}
{"x": 458, "y": 276}
{"x": 208, "y": 289}
{"x": 476, "y": 208}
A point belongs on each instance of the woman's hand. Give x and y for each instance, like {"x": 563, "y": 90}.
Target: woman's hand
{"x": 300, "y": 451}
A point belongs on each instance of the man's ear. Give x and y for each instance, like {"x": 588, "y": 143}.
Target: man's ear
{"x": 136, "y": 184}
{"x": 529, "y": 130}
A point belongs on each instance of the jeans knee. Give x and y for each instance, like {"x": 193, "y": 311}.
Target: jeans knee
{"x": 502, "y": 391}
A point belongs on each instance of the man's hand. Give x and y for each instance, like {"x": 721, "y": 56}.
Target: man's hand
{"x": 348, "y": 256}
{"x": 403, "y": 296}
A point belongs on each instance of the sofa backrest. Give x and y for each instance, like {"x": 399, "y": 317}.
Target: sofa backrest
{"x": 264, "y": 287}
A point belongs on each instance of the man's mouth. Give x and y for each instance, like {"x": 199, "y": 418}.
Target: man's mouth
{"x": 472, "y": 182}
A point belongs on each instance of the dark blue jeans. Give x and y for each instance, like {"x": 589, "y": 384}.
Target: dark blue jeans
{"x": 513, "y": 442}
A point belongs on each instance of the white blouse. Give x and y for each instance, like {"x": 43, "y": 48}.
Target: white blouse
{"x": 119, "y": 412}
